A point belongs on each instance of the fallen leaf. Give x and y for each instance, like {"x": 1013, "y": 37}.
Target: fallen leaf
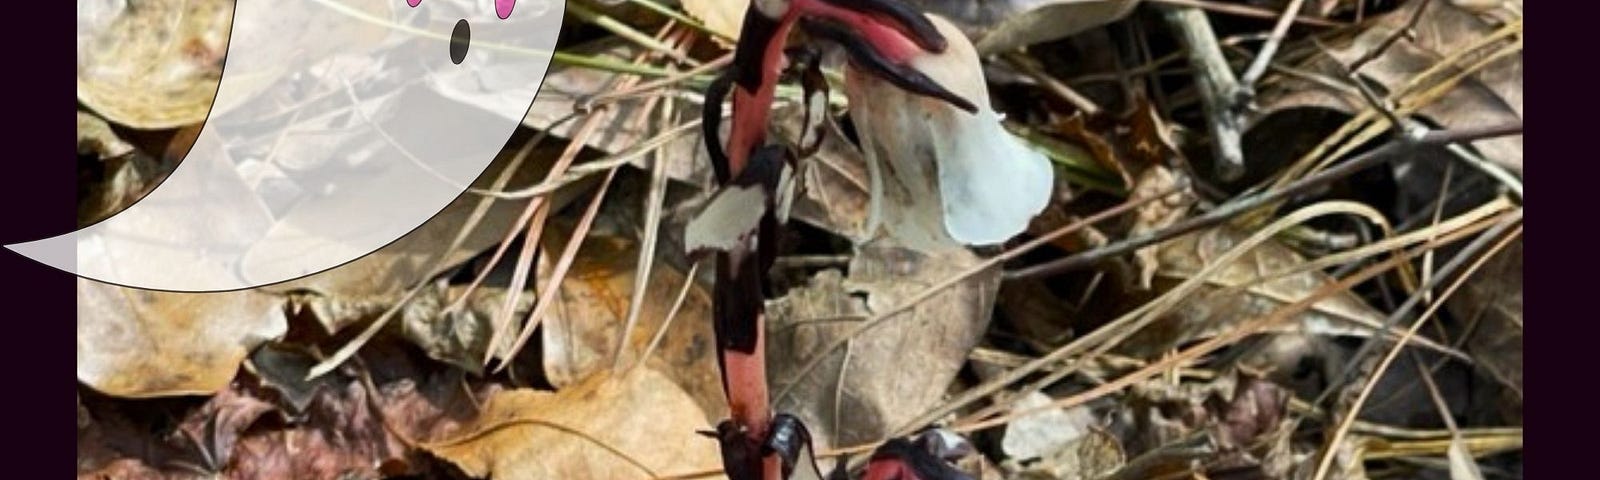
{"x": 638, "y": 425}
{"x": 1492, "y": 96}
{"x": 141, "y": 343}
{"x": 897, "y": 370}
{"x": 581, "y": 329}
{"x": 1040, "y": 435}
{"x": 1093, "y": 455}
{"x": 1155, "y": 216}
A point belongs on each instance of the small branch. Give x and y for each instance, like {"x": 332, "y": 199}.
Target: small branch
{"x": 1240, "y": 206}
{"x": 1258, "y": 67}
{"x": 1219, "y": 90}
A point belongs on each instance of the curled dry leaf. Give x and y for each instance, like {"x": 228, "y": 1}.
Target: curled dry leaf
{"x": 1157, "y": 215}
{"x": 1043, "y": 436}
{"x": 1492, "y": 96}
{"x": 141, "y": 343}
{"x": 617, "y": 427}
{"x": 896, "y": 370}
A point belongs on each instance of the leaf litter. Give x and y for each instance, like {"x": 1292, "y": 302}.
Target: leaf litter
{"x": 220, "y": 385}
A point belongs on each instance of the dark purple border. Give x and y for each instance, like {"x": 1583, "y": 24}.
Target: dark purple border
{"x": 39, "y": 198}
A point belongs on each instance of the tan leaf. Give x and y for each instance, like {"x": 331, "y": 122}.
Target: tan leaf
{"x": 581, "y": 330}
{"x": 1493, "y": 96}
{"x": 896, "y": 370}
{"x": 635, "y": 426}
{"x": 141, "y": 343}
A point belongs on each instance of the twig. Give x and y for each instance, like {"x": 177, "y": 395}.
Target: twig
{"x": 1219, "y": 90}
{"x": 1258, "y": 67}
{"x": 1240, "y": 206}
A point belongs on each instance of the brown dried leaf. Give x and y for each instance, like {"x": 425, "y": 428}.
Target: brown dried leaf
{"x": 141, "y": 343}
{"x": 581, "y": 329}
{"x": 635, "y": 426}
{"x": 897, "y": 370}
{"x": 1493, "y": 96}
{"x": 1157, "y": 215}
{"x": 1237, "y": 411}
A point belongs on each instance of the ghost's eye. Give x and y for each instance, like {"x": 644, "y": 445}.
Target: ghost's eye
{"x": 460, "y": 38}
{"x": 461, "y": 35}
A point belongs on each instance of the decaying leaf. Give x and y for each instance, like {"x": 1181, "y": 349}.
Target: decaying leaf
{"x": 1157, "y": 215}
{"x": 898, "y": 369}
{"x": 1042, "y": 435}
{"x": 340, "y": 428}
{"x": 581, "y": 329}
{"x": 1492, "y": 96}
{"x": 1233, "y": 422}
{"x": 640, "y": 425}
{"x": 141, "y": 343}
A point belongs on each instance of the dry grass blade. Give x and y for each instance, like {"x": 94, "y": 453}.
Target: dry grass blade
{"x": 647, "y": 251}
{"x": 1214, "y": 343}
{"x": 478, "y": 211}
{"x": 683, "y": 294}
{"x": 1113, "y": 333}
{"x": 563, "y": 265}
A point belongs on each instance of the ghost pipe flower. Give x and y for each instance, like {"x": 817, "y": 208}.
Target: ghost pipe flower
{"x": 880, "y": 34}
{"x": 988, "y": 184}
{"x": 740, "y": 222}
